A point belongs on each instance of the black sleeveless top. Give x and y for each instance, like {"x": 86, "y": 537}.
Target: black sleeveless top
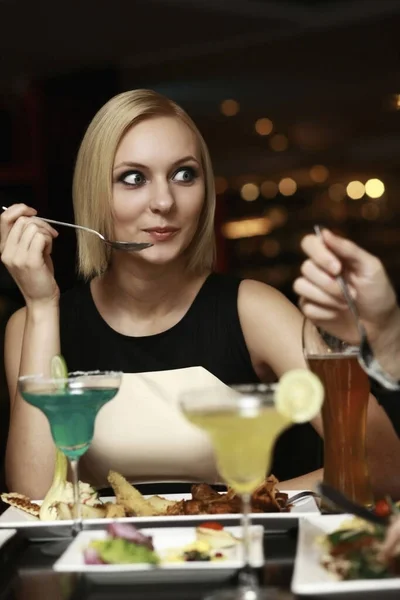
{"x": 209, "y": 335}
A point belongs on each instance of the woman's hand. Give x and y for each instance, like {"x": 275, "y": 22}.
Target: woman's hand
{"x": 25, "y": 247}
{"x": 391, "y": 545}
{"x": 321, "y": 298}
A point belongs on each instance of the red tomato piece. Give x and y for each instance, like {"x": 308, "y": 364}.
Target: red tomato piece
{"x": 382, "y": 508}
{"x": 212, "y": 525}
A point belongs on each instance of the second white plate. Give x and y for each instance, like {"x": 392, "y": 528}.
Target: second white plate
{"x": 163, "y": 539}
{"x": 311, "y": 578}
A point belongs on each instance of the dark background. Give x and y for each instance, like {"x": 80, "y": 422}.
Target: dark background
{"x": 325, "y": 73}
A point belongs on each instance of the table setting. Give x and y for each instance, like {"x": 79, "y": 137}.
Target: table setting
{"x": 244, "y": 539}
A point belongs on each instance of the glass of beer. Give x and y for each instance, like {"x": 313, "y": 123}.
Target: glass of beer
{"x": 344, "y": 412}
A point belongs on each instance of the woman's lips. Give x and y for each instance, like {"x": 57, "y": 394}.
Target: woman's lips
{"x": 161, "y": 234}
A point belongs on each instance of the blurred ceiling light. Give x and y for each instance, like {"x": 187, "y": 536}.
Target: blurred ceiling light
{"x": 278, "y": 142}
{"x": 270, "y": 248}
{"x": 230, "y": 107}
{"x": 246, "y": 228}
{"x": 287, "y": 186}
{"x": 337, "y": 192}
{"x": 374, "y": 188}
{"x": 370, "y": 211}
{"x": 355, "y": 190}
{"x": 278, "y": 216}
{"x": 269, "y": 189}
{"x": 221, "y": 185}
{"x": 263, "y": 126}
{"x": 395, "y": 101}
{"x": 250, "y": 192}
{"x": 319, "y": 173}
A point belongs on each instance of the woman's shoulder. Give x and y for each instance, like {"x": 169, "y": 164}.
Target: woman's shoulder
{"x": 255, "y": 294}
{"x": 250, "y": 296}
{"x": 249, "y": 289}
{"x": 271, "y": 326}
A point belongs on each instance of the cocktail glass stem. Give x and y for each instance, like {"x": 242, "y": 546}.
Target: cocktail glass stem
{"x": 77, "y": 525}
{"x": 247, "y": 577}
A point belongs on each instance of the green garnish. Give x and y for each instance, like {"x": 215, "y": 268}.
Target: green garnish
{"x": 119, "y": 551}
{"x": 58, "y": 367}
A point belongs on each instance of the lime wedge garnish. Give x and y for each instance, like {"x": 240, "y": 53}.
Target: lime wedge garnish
{"x": 299, "y": 396}
{"x": 58, "y": 367}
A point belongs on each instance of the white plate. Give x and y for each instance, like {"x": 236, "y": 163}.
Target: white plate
{"x": 33, "y": 529}
{"x": 311, "y": 578}
{"x": 163, "y": 539}
{"x": 5, "y": 535}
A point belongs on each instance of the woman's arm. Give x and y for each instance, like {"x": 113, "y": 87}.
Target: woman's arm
{"x": 32, "y": 338}
{"x": 272, "y": 330}
{"x": 304, "y": 482}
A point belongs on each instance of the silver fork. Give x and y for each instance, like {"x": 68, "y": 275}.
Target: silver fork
{"x": 133, "y": 246}
{"x": 366, "y": 356}
{"x": 300, "y": 496}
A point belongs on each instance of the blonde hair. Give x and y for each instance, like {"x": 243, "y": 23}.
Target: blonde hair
{"x": 92, "y": 183}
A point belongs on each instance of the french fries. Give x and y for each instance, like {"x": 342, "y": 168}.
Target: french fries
{"x": 129, "y": 497}
{"x": 161, "y": 505}
{"x": 114, "y": 511}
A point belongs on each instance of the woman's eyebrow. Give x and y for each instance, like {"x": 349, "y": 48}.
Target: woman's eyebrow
{"x": 140, "y": 166}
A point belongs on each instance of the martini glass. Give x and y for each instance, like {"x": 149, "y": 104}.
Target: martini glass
{"x": 71, "y": 406}
{"x": 243, "y": 424}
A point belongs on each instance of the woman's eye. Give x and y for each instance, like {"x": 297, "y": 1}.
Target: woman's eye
{"x": 134, "y": 178}
{"x": 185, "y": 175}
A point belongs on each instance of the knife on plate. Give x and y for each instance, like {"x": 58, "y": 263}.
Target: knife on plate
{"x": 339, "y": 501}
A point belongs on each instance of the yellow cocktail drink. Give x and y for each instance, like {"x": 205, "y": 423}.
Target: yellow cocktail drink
{"x": 243, "y": 423}
{"x": 243, "y": 441}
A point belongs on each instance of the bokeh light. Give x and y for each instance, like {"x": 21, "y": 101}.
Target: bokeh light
{"x": 230, "y": 107}
{"x": 264, "y": 126}
{"x": 337, "y": 192}
{"x": 278, "y": 216}
{"x": 269, "y": 189}
{"x": 246, "y": 228}
{"x": 374, "y": 188}
{"x": 287, "y": 186}
{"x": 270, "y": 248}
{"x": 278, "y": 142}
{"x": 250, "y": 192}
{"x": 355, "y": 190}
{"x": 319, "y": 173}
{"x": 370, "y": 211}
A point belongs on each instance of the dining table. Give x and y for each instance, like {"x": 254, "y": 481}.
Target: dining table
{"x": 26, "y": 573}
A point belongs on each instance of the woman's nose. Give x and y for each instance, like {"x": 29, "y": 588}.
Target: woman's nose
{"x": 162, "y": 199}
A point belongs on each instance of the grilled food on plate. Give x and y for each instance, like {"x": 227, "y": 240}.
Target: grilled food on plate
{"x": 129, "y": 502}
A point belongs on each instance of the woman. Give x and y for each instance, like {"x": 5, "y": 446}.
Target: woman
{"x": 143, "y": 173}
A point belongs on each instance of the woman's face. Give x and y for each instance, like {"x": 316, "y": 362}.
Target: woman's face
{"x": 158, "y": 188}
